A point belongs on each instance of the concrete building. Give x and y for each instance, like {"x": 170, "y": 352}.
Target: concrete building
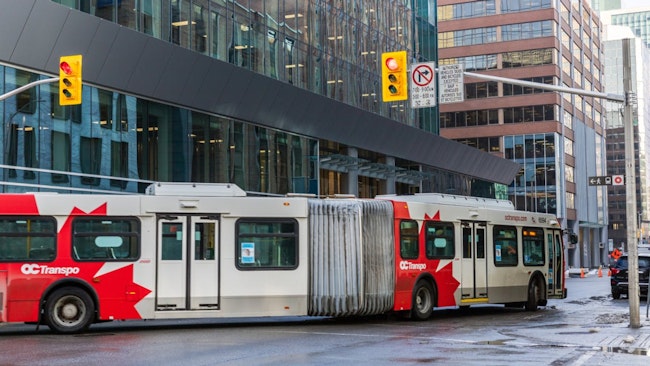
{"x": 275, "y": 96}
{"x": 558, "y": 138}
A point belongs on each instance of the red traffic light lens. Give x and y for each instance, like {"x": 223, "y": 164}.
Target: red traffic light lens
{"x": 65, "y": 67}
{"x": 391, "y": 64}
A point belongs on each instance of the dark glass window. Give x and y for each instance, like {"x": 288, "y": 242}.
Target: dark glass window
{"x": 505, "y": 245}
{"x": 439, "y": 242}
{"x": 266, "y": 244}
{"x": 27, "y": 238}
{"x": 105, "y": 239}
{"x": 409, "y": 239}
{"x": 533, "y": 243}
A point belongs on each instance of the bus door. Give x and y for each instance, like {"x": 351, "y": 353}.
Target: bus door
{"x": 474, "y": 266}
{"x": 187, "y": 268}
{"x": 555, "y": 261}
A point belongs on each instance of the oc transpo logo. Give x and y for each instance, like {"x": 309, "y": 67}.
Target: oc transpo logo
{"x": 35, "y": 269}
{"x": 405, "y": 265}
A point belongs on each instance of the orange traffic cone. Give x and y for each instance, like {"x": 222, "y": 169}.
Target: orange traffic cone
{"x": 609, "y": 272}
{"x": 600, "y": 271}
{"x": 582, "y": 272}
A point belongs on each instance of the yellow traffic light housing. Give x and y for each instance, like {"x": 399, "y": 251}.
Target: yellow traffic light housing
{"x": 70, "y": 85}
{"x": 394, "y": 76}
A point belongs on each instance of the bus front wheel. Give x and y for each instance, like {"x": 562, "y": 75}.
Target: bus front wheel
{"x": 534, "y": 295}
{"x": 423, "y": 294}
{"x": 69, "y": 310}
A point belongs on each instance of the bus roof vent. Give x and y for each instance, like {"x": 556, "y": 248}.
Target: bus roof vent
{"x": 195, "y": 189}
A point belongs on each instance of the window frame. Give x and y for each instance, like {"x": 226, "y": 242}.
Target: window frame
{"x": 430, "y": 237}
{"x": 257, "y": 266}
{"x": 134, "y": 237}
{"x": 498, "y": 242}
{"x": 31, "y": 234}
{"x": 403, "y": 253}
{"x": 527, "y": 250}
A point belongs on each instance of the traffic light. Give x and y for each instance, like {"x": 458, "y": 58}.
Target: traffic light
{"x": 70, "y": 80}
{"x": 394, "y": 76}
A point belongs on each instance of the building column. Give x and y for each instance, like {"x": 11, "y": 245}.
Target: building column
{"x": 351, "y": 180}
{"x": 390, "y": 177}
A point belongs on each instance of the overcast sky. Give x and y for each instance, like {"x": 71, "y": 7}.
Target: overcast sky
{"x": 634, "y": 3}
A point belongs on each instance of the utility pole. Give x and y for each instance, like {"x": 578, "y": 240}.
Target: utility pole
{"x": 630, "y": 192}
{"x": 630, "y": 173}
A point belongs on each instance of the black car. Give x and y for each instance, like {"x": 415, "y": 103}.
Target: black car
{"x": 619, "y": 280}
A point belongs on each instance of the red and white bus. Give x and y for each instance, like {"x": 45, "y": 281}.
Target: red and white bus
{"x": 208, "y": 250}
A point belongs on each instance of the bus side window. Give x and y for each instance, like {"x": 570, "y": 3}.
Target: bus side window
{"x": 264, "y": 243}
{"x": 533, "y": 241}
{"x": 105, "y": 238}
{"x": 25, "y": 238}
{"x": 440, "y": 240}
{"x": 505, "y": 246}
{"x": 409, "y": 239}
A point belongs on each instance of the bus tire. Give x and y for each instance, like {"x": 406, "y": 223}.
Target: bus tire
{"x": 534, "y": 295}
{"x": 69, "y": 310}
{"x": 423, "y": 296}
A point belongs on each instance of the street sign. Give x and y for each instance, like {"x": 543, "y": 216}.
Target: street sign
{"x": 618, "y": 180}
{"x": 423, "y": 85}
{"x": 607, "y": 180}
{"x": 450, "y": 79}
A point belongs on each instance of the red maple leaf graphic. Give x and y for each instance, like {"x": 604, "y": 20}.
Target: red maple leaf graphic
{"x": 117, "y": 292}
{"x": 447, "y": 284}
{"x": 444, "y": 276}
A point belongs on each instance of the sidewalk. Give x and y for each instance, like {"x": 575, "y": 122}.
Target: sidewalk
{"x": 598, "y": 322}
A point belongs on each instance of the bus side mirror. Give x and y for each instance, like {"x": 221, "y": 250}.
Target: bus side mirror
{"x": 573, "y": 238}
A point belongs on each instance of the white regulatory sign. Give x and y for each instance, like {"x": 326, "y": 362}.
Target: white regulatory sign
{"x": 450, "y": 79}
{"x": 423, "y": 85}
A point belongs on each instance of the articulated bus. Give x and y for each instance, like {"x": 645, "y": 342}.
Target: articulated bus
{"x": 185, "y": 250}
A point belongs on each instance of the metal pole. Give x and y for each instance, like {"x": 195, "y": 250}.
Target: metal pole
{"x": 27, "y": 86}
{"x": 613, "y": 97}
{"x": 630, "y": 193}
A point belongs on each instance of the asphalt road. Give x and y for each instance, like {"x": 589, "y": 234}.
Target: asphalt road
{"x": 587, "y": 328}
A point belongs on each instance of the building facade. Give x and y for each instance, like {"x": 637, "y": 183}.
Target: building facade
{"x": 556, "y": 137}
{"x": 275, "y": 96}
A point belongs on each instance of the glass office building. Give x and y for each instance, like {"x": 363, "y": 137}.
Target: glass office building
{"x": 276, "y": 96}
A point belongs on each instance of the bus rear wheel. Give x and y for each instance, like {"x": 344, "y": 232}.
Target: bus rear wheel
{"x": 422, "y": 300}
{"x": 69, "y": 310}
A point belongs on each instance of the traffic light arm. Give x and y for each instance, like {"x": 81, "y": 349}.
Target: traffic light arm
{"x": 608, "y": 96}
{"x": 27, "y": 86}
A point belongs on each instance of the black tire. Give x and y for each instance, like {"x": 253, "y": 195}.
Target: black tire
{"x": 534, "y": 295}
{"x": 69, "y": 310}
{"x": 616, "y": 294}
{"x": 423, "y": 296}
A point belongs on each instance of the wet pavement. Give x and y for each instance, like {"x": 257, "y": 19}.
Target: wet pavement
{"x": 594, "y": 324}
